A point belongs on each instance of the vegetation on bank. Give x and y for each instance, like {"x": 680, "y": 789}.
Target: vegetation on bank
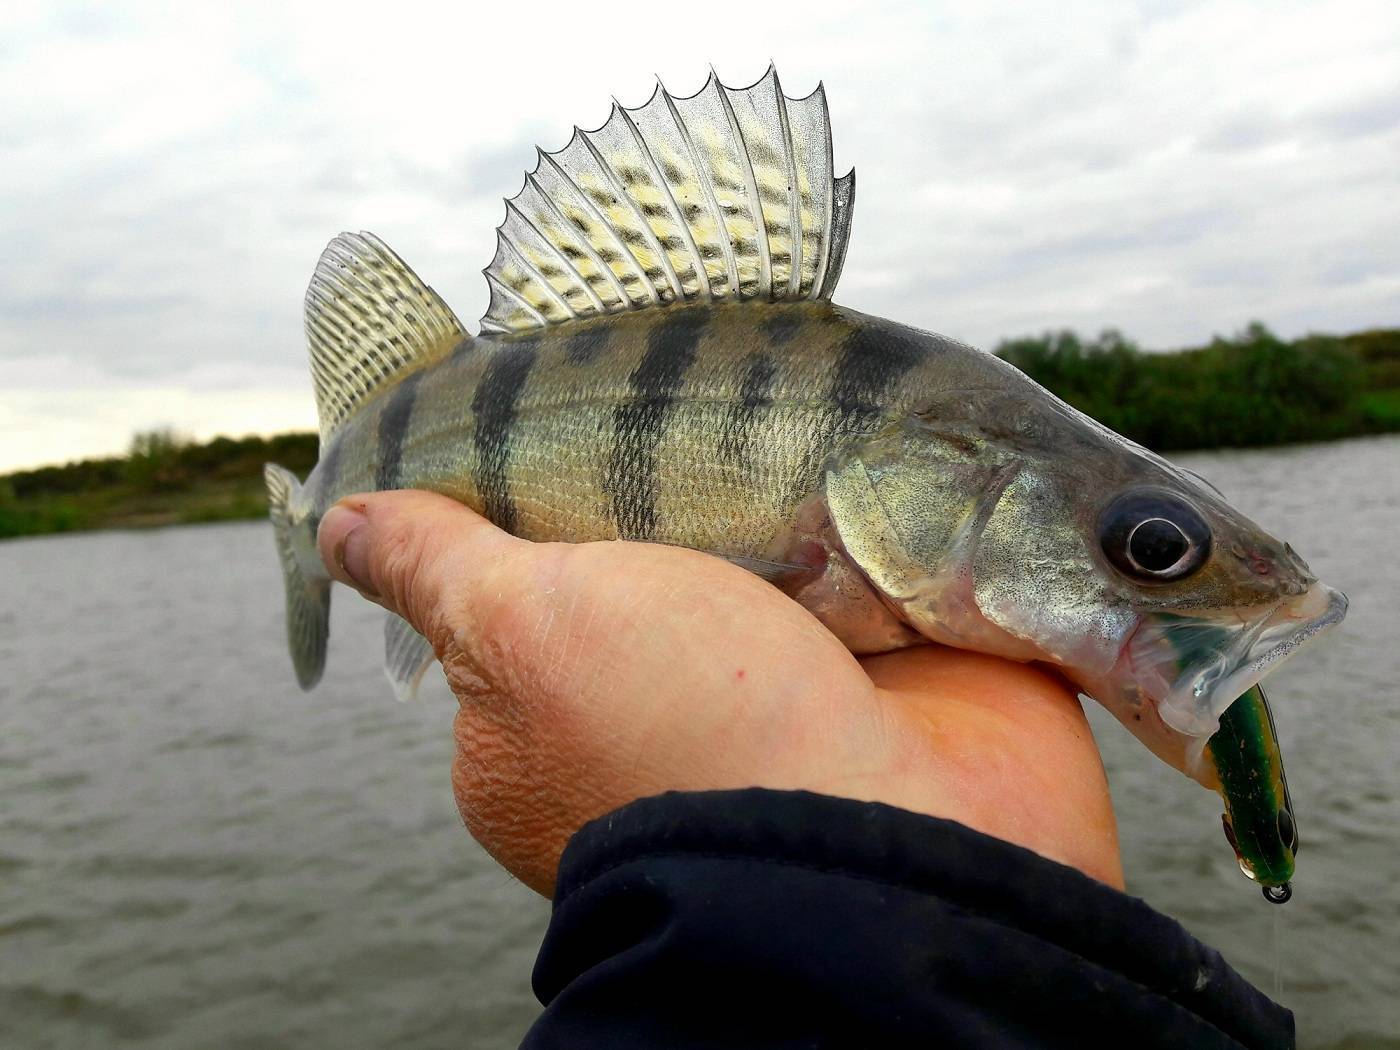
{"x": 162, "y": 481}
{"x": 1252, "y": 389}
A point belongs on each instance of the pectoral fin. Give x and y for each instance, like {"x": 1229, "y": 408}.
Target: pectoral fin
{"x": 773, "y": 571}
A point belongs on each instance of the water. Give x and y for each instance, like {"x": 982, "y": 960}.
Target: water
{"x": 194, "y": 854}
{"x": 1339, "y": 722}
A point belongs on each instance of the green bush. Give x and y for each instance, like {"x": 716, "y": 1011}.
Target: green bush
{"x": 1250, "y": 389}
{"x": 154, "y": 462}
{"x": 54, "y": 516}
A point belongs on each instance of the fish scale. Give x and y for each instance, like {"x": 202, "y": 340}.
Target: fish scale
{"x": 660, "y": 361}
{"x": 665, "y": 412}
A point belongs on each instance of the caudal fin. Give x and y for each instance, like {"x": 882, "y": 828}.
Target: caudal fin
{"x": 308, "y": 600}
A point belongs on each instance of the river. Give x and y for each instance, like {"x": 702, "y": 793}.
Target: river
{"x": 195, "y": 854}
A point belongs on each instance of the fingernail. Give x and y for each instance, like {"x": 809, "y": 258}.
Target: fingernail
{"x": 351, "y": 550}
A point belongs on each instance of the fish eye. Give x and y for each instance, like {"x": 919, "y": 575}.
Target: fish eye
{"x": 1154, "y": 536}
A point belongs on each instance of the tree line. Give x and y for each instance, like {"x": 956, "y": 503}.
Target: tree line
{"x": 1249, "y": 389}
{"x": 164, "y": 479}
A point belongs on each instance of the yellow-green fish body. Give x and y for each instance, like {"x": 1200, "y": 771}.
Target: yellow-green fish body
{"x": 702, "y": 426}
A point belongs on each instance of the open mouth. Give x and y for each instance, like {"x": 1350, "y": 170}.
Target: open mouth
{"x": 1196, "y": 666}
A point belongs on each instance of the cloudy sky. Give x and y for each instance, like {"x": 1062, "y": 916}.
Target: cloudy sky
{"x": 170, "y": 172}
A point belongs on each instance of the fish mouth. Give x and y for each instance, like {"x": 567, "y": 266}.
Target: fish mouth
{"x": 1195, "y": 666}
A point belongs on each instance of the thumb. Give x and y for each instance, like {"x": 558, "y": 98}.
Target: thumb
{"x": 417, "y": 554}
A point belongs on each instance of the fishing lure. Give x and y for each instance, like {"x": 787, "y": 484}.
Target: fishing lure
{"x": 1259, "y": 821}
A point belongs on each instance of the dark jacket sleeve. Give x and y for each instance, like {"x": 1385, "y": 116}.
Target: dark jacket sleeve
{"x": 785, "y": 919}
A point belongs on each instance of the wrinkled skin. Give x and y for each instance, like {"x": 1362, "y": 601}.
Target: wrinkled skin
{"x": 593, "y": 674}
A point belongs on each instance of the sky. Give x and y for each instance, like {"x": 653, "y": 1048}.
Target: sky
{"x": 169, "y": 173}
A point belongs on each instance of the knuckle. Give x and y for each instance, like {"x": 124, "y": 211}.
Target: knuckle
{"x": 400, "y": 563}
{"x": 408, "y": 573}
{"x": 514, "y": 599}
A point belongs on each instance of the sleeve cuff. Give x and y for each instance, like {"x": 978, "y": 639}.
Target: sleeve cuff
{"x": 682, "y": 912}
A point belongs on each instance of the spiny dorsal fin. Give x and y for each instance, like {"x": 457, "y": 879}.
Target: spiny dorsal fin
{"x": 368, "y": 317}
{"x": 727, "y": 194}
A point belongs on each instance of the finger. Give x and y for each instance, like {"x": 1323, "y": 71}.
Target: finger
{"x": 415, "y": 553}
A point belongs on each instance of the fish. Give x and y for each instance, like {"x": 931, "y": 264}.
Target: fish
{"x": 662, "y": 360}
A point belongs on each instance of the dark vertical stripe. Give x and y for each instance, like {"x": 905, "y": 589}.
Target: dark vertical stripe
{"x": 755, "y": 395}
{"x": 782, "y": 327}
{"x": 583, "y": 347}
{"x": 328, "y": 468}
{"x": 874, "y": 358}
{"x": 327, "y": 479}
{"x": 494, "y": 407}
{"x": 463, "y": 350}
{"x": 756, "y": 389}
{"x": 640, "y": 422}
{"x": 393, "y": 431}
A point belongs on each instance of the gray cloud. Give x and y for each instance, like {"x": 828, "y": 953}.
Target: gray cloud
{"x": 1368, "y": 116}
{"x": 169, "y": 175}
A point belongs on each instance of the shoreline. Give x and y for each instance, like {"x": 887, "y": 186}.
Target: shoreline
{"x": 1252, "y": 390}
{"x": 245, "y": 499}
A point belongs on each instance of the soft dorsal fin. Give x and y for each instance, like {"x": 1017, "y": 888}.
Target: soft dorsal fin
{"x": 368, "y": 318}
{"x": 728, "y": 194}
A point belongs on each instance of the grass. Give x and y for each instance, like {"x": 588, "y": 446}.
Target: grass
{"x": 127, "y": 507}
{"x": 1381, "y": 409}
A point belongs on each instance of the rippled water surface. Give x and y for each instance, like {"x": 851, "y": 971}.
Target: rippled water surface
{"x": 194, "y": 854}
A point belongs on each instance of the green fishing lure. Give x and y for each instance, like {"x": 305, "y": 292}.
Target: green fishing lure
{"x": 1258, "y": 818}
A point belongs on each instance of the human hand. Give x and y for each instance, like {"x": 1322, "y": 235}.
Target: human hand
{"x": 590, "y": 675}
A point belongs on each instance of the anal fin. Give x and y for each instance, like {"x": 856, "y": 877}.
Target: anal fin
{"x": 407, "y": 656}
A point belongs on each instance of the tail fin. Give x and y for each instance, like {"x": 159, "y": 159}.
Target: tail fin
{"x": 308, "y": 600}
